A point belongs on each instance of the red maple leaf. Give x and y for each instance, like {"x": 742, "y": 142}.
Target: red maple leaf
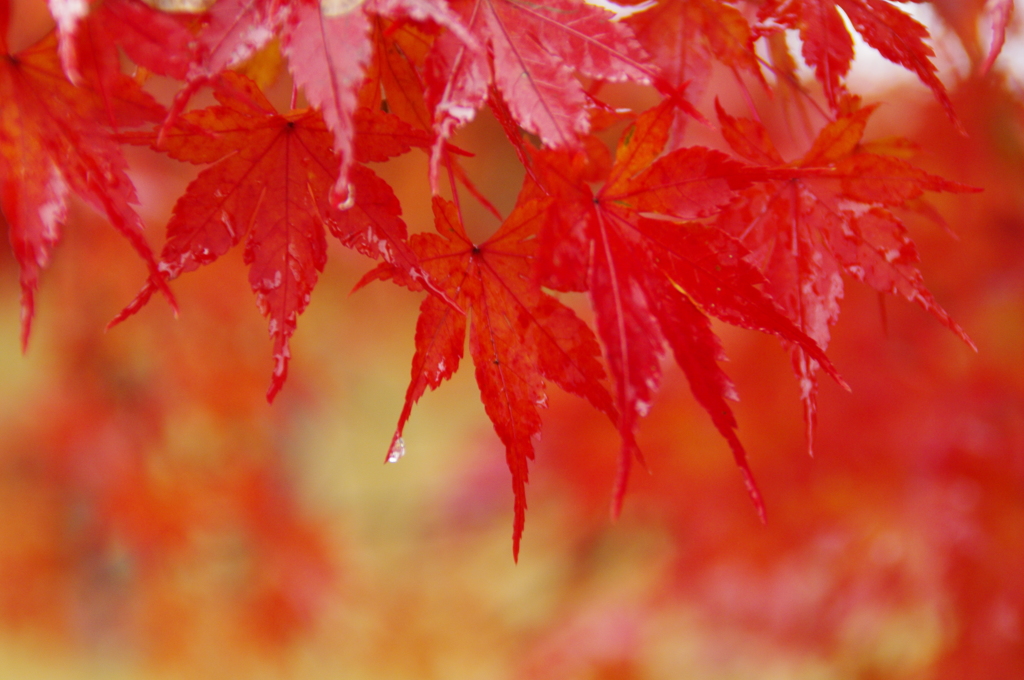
{"x": 828, "y": 213}
{"x": 519, "y": 337}
{"x": 1000, "y": 12}
{"x": 653, "y": 277}
{"x": 661, "y": 238}
{"x": 684, "y": 37}
{"x": 327, "y": 44}
{"x": 270, "y": 184}
{"x": 53, "y": 141}
{"x": 393, "y": 74}
{"x": 90, "y": 33}
{"x": 828, "y": 45}
{"x": 533, "y": 51}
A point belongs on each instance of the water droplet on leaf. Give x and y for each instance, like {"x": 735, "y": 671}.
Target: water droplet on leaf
{"x": 397, "y": 450}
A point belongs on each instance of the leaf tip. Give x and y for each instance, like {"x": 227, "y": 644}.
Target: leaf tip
{"x": 279, "y": 375}
{"x": 755, "y": 496}
{"x": 740, "y": 456}
{"x": 138, "y": 303}
{"x": 27, "y": 314}
{"x": 832, "y": 371}
{"x": 397, "y": 450}
{"x": 518, "y": 524}
{"x": 962, "y": 334}
{"x": 622, "y": 478}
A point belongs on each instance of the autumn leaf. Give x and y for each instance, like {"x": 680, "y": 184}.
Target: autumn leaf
{"x": 533, "y": 51}
{"x": 90, "y": 33}
{"x": 654, "y": 275}
{"x": 1000, "y": 11}
{"x": 828, "y": 214}
{"x": 828, "y": 46}
{"x": 329, "y": 70}
{"x": 519, "y": 337}
{"x": 54, "y": 141}
{"x": 327, "y": 57}
{"x": 270, "y": 184}
{"x": 393, "y": 73}
{"x": 661, "y": 236}
{"x": 683, "y": 39}
{"x": 328, "y": 46}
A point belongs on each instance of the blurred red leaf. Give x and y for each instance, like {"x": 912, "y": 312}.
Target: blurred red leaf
{"x": 827, "y": 214}
{"x": 828, "y": 46}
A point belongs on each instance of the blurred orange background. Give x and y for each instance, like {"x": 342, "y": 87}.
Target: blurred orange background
{"x": 159, "y": 520}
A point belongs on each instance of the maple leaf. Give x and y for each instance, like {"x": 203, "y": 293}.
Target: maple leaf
{"x": 53, "y": 141}
{"x": 327, "y": 57}
{"x": 533, "y": 51}
{"x": 519, "y": 337}
{"x": 1000, "y": 11}
{"x": 270, "y": 184}
{"x": 661, "y": 238}
{"x": 89, "y": 34}
{"x": 828, "y": 46}
{"x": 393, "y": 74}
{"x": 327, "y": 44}
{"x": 161, "y": 42}
{"x": 373, "y": 224}
{"x": 654, "y": 277}
{"x": 828, "y": 214}
{"x": 682, "y": 38}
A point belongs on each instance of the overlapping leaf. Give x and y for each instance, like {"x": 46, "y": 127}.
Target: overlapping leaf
{"x": 91, "y": 32}
{"x": 683, "y": 38}
{"x": 533, "y": 52}
{"x": 828, "y": 214}
{"x": 519, "y": 337}
{"x": 327, "y": 44}
{"x": 54, "y": 141}
{"x": 393, "y": 74}
{"x": 973, "y": 21}
{"x": 663, "y": 245}
{"x": 1000, "y": 12}
{"x": 828, "y": 46}
{"x": 270, "y": 185}
{"x": 654, "y": 278}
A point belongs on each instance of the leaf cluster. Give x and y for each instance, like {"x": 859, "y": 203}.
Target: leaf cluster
{"x": 661, "y": 236}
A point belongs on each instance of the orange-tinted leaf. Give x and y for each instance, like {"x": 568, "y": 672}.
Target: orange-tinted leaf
{"x": 53, "y": 141}
{"x": 393, "y": 72}
{"x": 380, "y": 136}
{"x": 747, "y": 138}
